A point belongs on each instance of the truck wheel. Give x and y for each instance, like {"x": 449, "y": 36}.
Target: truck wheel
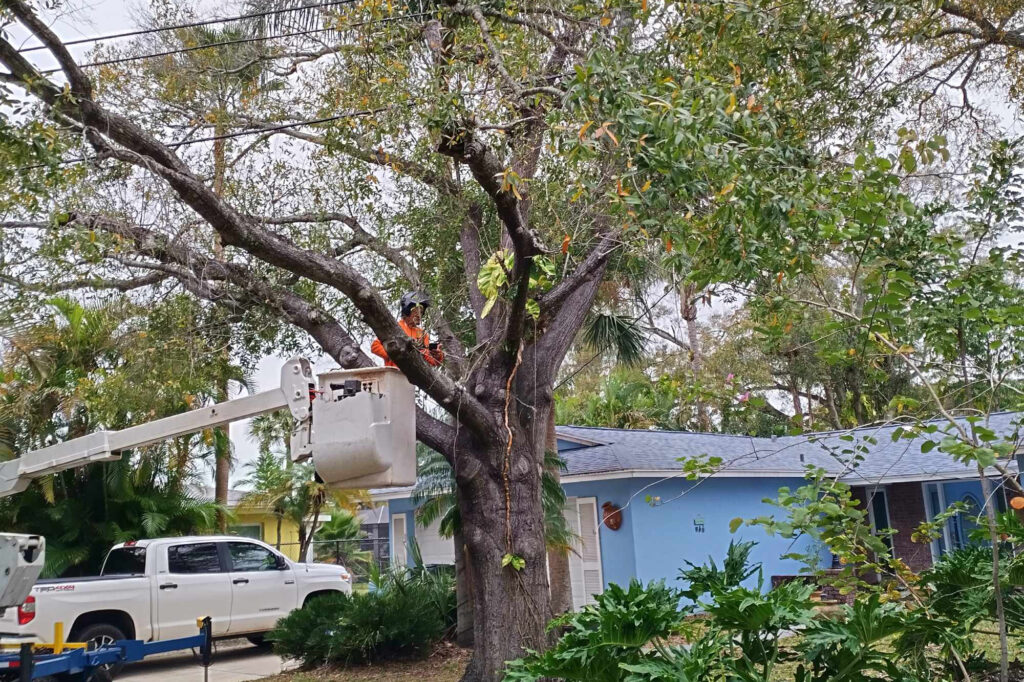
{"x": 98, "y": 635}
{"x": 260, "y": 640}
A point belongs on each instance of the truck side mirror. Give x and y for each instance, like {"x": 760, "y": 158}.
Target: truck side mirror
{"x": 280, "y": 563}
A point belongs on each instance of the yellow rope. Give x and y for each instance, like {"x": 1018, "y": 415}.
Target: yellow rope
{"x": 508, "y": 450}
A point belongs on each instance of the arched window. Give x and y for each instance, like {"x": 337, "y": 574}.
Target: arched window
{"x": 967, "y": 521}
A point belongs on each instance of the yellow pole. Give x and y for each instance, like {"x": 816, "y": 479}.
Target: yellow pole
{"x": 58, "y": 637}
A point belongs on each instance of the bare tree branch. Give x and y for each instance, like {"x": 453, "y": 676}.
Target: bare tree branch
{"x": 536, "y": 26}
{"x": 497, "y": 61}
{"x": 140, "y": 149}
{"x": 990, "y": 33}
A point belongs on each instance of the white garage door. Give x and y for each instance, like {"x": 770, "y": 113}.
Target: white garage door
{"x": 434, "y": 548}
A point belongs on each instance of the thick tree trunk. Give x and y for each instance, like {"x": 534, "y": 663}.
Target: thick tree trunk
{"x": 510, "y": 605}
{"x": 463, "y": 594}
{"x": 558, "y": 558}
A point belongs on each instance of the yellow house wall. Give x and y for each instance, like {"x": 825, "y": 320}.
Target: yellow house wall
{"x": 289, "y": 541}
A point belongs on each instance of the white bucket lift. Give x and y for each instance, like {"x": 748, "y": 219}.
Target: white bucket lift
{"x": 363, "y": 430}
{"x": 358, "y": 426}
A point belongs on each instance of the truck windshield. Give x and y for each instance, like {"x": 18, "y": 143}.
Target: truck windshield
{"x": 125, "y": 561}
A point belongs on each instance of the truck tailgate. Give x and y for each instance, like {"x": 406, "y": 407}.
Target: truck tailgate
{"x": 65, "y": 600}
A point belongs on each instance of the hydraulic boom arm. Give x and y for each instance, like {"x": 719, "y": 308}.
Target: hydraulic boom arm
{"x": 357, "y": 425}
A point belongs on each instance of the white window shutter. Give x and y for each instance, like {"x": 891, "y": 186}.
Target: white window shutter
{"x": 433, "y": 548}
{"x": 572, "y": 519}
{"x": 590, "y": 549}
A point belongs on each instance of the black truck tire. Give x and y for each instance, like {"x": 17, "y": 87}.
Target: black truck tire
{"x": 260, "y": 639}
{"x": 97, "y": 635}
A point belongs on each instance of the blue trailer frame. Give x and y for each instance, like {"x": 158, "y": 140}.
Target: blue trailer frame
{"x": 83, "y": 663}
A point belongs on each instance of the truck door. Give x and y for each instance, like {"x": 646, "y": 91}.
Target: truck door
{"x": 191, "y": 583}
{"x": 262, "y": 585}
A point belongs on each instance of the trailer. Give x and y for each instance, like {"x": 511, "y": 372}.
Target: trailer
{"x": 80, "y": 663}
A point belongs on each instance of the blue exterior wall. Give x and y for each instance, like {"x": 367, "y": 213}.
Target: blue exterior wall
{"x": 654, "y": 542}
{"x": 666, "y": 535}
{"x": 618, "y": 551}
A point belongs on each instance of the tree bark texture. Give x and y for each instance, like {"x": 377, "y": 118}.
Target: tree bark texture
{"x": 221, "y": 440}
{"x": 510, "y": 606}
{"x": 558, "y": 559}
{"x": 463, "y": 594}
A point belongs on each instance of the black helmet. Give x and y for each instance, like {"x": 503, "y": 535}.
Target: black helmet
{"x": 411, "y": 299}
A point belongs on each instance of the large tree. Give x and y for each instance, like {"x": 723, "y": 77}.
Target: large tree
{"x": 502, "y": 157}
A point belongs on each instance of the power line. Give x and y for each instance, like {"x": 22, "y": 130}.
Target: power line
{"x": 271, "y": 129}
{"x": 264, "y": 130}
{"x": 227, "y": 136}
{"x": 195, "y": 24}
{"x": 237, "y": 41}
{"x": 601, "y": 352}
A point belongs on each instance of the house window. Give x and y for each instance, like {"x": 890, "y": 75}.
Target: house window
{"x": 878, "y": 506}
{"x": 247, "y": 530}
{"x": 967, "y": 521}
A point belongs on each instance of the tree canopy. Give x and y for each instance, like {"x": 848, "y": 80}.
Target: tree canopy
{"x": 294, "y": 173}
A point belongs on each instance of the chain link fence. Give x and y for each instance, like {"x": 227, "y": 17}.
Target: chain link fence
{"x": 355, "y": 554}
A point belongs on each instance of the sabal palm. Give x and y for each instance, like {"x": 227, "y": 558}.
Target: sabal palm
{"x": 48, "y": 368}
{"x": 76, "y": 371}
{"x": 434, "y": 495}
{"x": 82, "y": 513}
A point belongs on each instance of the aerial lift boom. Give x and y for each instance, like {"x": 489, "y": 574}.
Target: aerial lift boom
{"x": 357, "y": 426}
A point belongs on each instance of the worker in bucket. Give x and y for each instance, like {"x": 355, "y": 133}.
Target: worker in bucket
{"x": 411, "y": 307}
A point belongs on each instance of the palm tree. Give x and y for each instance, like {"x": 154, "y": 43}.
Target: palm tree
{"x": 214, "y": 84}
{"x": 271, "y": 487}
{"x": 345, "y": 530}
{"x": 291, "y": 491}
{"x": 88, "y": 367}
{"x": 82, "y": 513}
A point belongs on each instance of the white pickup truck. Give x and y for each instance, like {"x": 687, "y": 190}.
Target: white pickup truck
{"x": 156, "y": 589}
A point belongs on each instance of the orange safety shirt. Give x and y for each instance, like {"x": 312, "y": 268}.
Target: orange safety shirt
{"x": 422, "y": 340}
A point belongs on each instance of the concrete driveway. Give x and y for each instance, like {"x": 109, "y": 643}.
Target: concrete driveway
{"x": 234, "y": 660}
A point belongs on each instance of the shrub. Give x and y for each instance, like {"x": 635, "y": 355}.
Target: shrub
{"x": 306, "y": 634}
{"x": 601, "y": 641}
{"x": 404, "y": 616}
{"x": 436, "y": 585}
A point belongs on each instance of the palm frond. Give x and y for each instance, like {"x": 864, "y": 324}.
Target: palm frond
{"x": 434, "y": 508}
{"x": 609, "y": 331}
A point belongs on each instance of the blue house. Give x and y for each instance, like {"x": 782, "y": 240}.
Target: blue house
{"x": 667, "y": 519}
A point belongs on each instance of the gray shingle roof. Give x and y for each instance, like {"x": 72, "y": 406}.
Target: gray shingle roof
{"x": 883, "y": 458}
{"x": 206, "y": 493}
